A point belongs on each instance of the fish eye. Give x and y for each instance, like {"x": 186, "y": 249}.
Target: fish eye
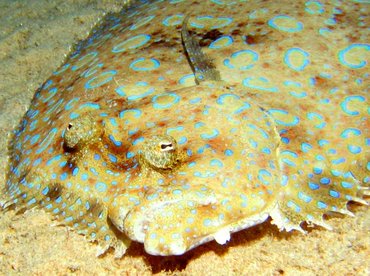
{"x": 70, "y": 125}
{"x": 160, "y": 151}
{"x": 166, "y": 146}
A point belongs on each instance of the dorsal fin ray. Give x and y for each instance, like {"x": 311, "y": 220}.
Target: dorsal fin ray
{"x": 201, "y": 64}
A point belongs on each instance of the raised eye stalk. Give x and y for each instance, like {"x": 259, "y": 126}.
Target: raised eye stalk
{"x": 80, "y": 132}
{"x": 160, "y": 151}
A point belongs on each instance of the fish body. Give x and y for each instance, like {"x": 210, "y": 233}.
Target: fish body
{"x": 173, "y": 130}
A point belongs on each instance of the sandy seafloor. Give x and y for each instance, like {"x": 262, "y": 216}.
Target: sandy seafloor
{"x": 35, "y": 37}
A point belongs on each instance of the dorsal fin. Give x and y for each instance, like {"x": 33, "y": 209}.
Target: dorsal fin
{"x": 201, "y": 64}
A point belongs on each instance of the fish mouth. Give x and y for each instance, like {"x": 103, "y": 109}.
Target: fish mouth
{"x": 165, "y": 240}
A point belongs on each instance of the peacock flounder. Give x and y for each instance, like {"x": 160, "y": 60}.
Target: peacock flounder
{"x": 173, "y": 130}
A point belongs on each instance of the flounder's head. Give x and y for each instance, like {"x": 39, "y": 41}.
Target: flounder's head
{"x": 197, "y": 165}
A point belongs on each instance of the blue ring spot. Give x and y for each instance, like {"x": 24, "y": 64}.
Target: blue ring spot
{"x": 174, "y": 96}
{"x": 228, "y": 152}
{"x": 338, "y": 161}
{"x": 54, "y": 158}
{"x": 182, "y": 140}
{"x": 221, "y": 98}
{"x": 206, "y": 174}
{"x": 306, "y": 147}
{"x": 47, "y": 84}
{"x": 261, "y": 174}
{"x": 101, "y": 187}
{"x": 212, "y": 135}
{"x": 100, "y": 80}
{"x": 297, "y": 94}
{"x": 279, "y": 112}
{"x": 34, "y": 139}
{"x": 70, "y": 104}
{"x": 112, "y": 158}
{"x": 259, "y": 83}
{"x": 313, "y": 116}
{"x": 144, "y": 64}
{"x": 313, "y": 186}
{"x": 183, "y": 80}
{"x": 294, "y": 206}
{"x": 216, "y": 163}
{"x": 131, "y": 43}
{"x": 138, "y": 140}
{"x": 63, "y": 176}
{"x": 149, "y": 90}
{"x": 32, "y": 113}
{"x": 347, "y": 133}
{"x": 92, "y": 70}
{"x": 137, "y": 112}
{"x": 173, "y": 20}
{"x": 321, "y": 205}
{"x": 260, "y": 130}
{"x": 244, "y": 107}
{"x": 37, "y": 162}
{"x": 177, "y": 192}
{"x": 152, "y": 196}
{"x": 143, "y": 22}
{"x": 221, "y": 42}
{"x": 75, "y": 171}
{"x": 354, "y": 149}
{"x": 247, "y": 58}
{"x": 346, "y": 185}
{"x": 84, "y": 176}
{"x": 114, "y": 141}
{"x": 285, "y": 23}
{"x": 207, "y": 222}
{"x": 227, "y": 21}
{"x": 54, "y": 106}
{"x": 334, "y": 193}
{"x": 350, "y": 57}
{"x": 325, "y": 180}
{"x": 349, "y": 99}
{"x": 45, "y": 191}
{"x": 74, "y": 115}
{"x": 290, "y": 153}
{"x": 61, "y": 69}
{"x": 288, "y": 162}
{"x": 296, "y": 59}
{"x": 314, "y": 7}
{"x": 47, "y": 140}
{"x": 317, "y": 170}
{"x": 51, "y": 93}
{"x": 82, "y": 61}
{"x": 323, "y": 142}
{"x": 304, "y": 197}
{"x": 325, "y": 32}
{"x": 177, "y": 128}
{"x": 94, "y": 106}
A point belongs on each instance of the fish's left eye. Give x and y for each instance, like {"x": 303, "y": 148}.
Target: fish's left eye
{"x": 166, "y": 146}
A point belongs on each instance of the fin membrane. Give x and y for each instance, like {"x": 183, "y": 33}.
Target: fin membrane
{"x": 86, "y": 215}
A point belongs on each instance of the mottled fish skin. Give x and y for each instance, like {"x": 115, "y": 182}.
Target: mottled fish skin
{"x": 121, "y": 144}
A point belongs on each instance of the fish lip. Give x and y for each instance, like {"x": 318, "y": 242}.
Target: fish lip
{"x": 140, "y": 227}
{"x": 139, "y": 230}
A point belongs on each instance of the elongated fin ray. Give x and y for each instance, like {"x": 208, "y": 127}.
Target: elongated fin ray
{"x": 201, "y": 64}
